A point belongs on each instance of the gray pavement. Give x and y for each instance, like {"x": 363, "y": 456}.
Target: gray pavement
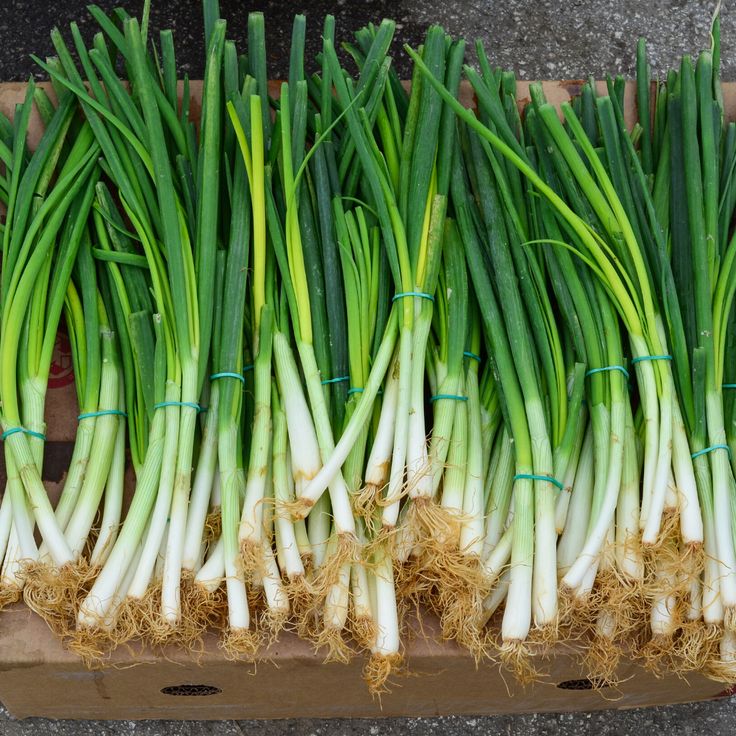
{"x": 716, "y": 718}
{"x": 550, "y": 39}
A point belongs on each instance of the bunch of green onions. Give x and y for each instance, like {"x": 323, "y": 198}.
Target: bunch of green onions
{"x": 366, "y": 349}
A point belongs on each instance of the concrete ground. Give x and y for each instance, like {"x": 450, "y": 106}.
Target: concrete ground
{"x": 539, "y": 40}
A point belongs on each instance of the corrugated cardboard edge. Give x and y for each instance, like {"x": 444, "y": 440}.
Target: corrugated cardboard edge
{"x": 38, "y": 677}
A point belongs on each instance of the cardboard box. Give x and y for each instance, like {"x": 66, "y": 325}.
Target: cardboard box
{"x": 38, "y": 677}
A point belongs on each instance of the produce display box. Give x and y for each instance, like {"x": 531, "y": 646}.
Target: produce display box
{"x": 38, "y": 677}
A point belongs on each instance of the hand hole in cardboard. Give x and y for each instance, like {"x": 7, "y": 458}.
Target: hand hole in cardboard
{"x": 191, "y": 690}
{"x": 584, "y": 684}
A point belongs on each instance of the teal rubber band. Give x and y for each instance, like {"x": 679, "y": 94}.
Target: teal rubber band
{"x": 532, "y": 476}
{"x": 634, "y": 361}
{"x": 728, "y": 385}
{"x": 472, "y": 356}
{"x": 710, "y": 449}
{"x": 339, "y": 379}
{"x": 608, "y": 368}
{"x": 247, "y": 368}
{"x": 104, "y": 412}
{"x": 453, "y": 397}
{"x": 356, "y": 390}
{"x": 16, "y": 430}
{"x": 189, "y": 404}
{"x": 419, "y": 294}
{"x": 227, "y": 374}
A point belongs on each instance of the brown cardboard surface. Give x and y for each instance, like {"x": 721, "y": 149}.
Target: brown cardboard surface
{"x": 38, "y": 677}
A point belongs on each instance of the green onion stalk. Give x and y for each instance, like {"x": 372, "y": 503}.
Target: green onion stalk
{"x": 590, "y": 313}
{"x": 239, "y": 528}
{"x": 303, "y": 424}
{"x": 194, "y": 322}
{"x": 35, "y": 356}
{"x": 424, "y": 185}
{"x": 257, "y": 520}
{"x": 712, "y": 268}
{"x": 204, "y": 509}
{"x": 359, "y": 248}
{"x": 702, "y": 258}
{"x": 103, "y": 445}
{"x": 520, "y": 536}
{"x": 544, "y": 600}
{"x": 639, "y": 315}
{"x": 122, "y": 151}
{"x": 382, "y": 199}
{"x": 34, "y": 225}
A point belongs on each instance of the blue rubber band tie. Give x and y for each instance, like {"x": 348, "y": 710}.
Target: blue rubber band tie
{"x": 710, "y": 449}
{"x": 532, "y": 476}
{"x": 102, "y": 413}
{"x": 355, "y": 391}
{"x": 608, "y": 368}
{"x": 339, "y": 379}
{"x": 16, "y": 430}
{"x": 189, "y": 404}
{"x": 247, "y": 368}
{"x": 634, "y": 361}
{"x": 729, "y": 385}
{"x": 419, "y": 294}
{"x": 227, "y": 374}
{"x": 472, "y": 356}
{"x": 453, "y": 397}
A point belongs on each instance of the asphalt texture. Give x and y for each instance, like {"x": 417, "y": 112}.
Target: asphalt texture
{"x": 538, "y": 40}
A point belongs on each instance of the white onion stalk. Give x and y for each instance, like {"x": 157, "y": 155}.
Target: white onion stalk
{"x": 252, "y": 518}
{"x": 139, "y": 586}
{"x": 573, "y": 536}
{"x": 493, "y": 601}
{"x": 21, "y": 543}
{"x": 471, "y": 532}
{"x": 397, "y": 474}
{"x": 75, "y": 474}
{"x": 498, "y": 558}
{"x": 305, "y": 457}
{"x": 22, "y": 465}
{"x": 13, "y": 574}
{"x": 418, "y": 476}
{"x": 290, "y": 560}
{"x": 517, "y": 614}
{"x": 205, "y": 479}
{"x": 319, "y": 530}
{"x": 722, "y": 492}
{"x": 386, "y": 613}
{"x": 379, "y": 461}
{"x": 339, "y": 497}
{"x": 270, "y": 574}
{"x": 101, "y": 452}
{"x": 544, "y": 589}
{"x": 96, "y": 605}
{"x": 454, "y": 483}
{"x": 604, "y": 507}
{"x": 356, "y": 425}
{"x": 6, "y": 523}
{"x": 181, "y": 493}
{"x": 114, "y": 490}
{"x": 232, "y": 484}
{"x": 629, "y": 557}
{"x": 212, "y": 572}
{"x": 501, "y": 479}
